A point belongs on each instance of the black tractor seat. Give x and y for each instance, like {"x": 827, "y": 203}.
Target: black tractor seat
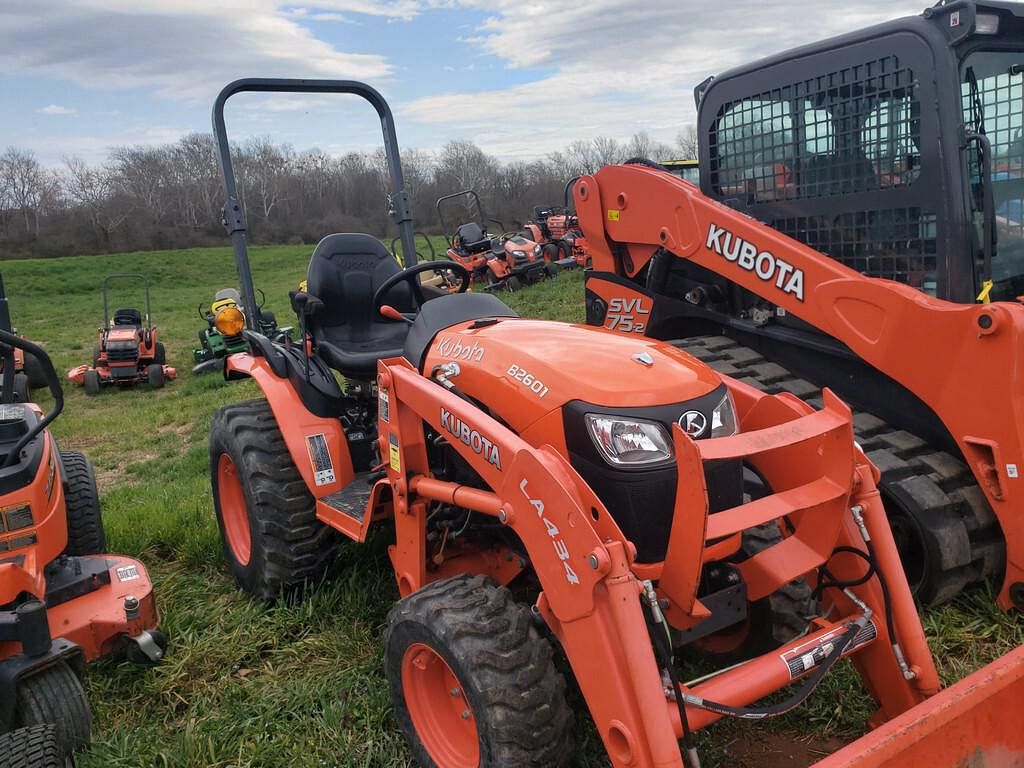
{"x": 128, "y": 317}
{"x": 472, "y": 238}
{"x": 344, "y": 273}
{"x": 446, "y": 311}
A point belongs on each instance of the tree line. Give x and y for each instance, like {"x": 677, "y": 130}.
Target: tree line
{"x": 171, "y": 196}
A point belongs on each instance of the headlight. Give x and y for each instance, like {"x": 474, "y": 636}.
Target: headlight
{"x": 629, "y": 442}
{"x": 519, "y": 254}
{"x": 723, "y": 418}
{"x": 230, "y": 321}
{"x": 536, "y": 250}
{"x": 986, "y": 24}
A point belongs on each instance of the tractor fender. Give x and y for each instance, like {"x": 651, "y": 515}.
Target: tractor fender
{"x": 317, "y": 444}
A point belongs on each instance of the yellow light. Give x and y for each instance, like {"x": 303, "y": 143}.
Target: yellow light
{"x": 230, "y": 321}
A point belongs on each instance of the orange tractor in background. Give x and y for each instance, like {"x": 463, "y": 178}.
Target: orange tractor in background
{"x": 508, "y": 261}
{"x": 540, "y": 510}
{"x": 128, "y": 351}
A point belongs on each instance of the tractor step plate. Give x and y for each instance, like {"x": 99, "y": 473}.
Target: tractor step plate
{"x": 351, "y": 500}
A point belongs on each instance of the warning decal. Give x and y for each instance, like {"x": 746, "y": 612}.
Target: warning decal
{"x": 127, "y": 573}
{"x": 323, "y": 469}
{"x": 804, "y": 658}
{"x": 396, "y": 462}
{"x": 384, "y": 405}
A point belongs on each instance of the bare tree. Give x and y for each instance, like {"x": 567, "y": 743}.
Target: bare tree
{"x": 686, "y": 143}
{"x": 23, "y": 184}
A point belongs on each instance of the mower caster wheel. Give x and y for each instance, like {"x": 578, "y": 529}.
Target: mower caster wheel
{"x": 155, "y": 375}
{"x": 472, "y": 682}
{"x": 82, "y": 505}
{"x": 91, "y": 381}
{"x": 34, "y": 747}
{"x": 513, "y": 284}
{"x": 147, "y": 649}
{"x": 54, "y": 696}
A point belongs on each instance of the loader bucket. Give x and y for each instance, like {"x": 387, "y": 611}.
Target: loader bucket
{"x": 973, "y": 724}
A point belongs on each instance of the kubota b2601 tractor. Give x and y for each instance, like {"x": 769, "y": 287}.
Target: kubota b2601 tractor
{"x": 654, "y": 506}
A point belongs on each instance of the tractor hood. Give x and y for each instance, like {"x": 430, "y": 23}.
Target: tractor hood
{"x": 525, "y": 369}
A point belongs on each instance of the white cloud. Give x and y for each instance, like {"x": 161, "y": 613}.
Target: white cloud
{"x": 183, "y": 49}
{"x": 57, "y": 109}
{"x": 614, "y": 70}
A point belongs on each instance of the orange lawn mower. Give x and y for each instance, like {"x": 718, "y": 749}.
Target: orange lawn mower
{"x": 63, "y": 601}
{"x": 507, "y": 262}
{"x": 557, "y": 230}
{"x": 128, "y": 352}
{"x": 540, "y": 511}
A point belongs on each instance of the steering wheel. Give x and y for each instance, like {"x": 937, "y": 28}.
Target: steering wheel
{"x": 408, "y": 274}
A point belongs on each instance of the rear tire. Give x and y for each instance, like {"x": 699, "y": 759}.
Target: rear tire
{"x": 512, "y": 284}
{"x": 160, "y": 354}
{"x": 54, "y": 696}
{"x": 550, "y": 251}
{"x": 34, "y": 747}
{"x": 552, "y": 269}
{"x": 155, "y": 375}
{"x": 82, "y": 502}
{"x": 273, "y": 542}
{"x": 96, "y": 356}
{"x": 91, "y": 382}
{"x": 34, "y": 371}
{"x": 467, "y": 635}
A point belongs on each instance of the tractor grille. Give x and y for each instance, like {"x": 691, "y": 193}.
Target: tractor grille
{"x": 122, "y": 352}
{"x": 235, "y": 340}
{"x": 521, "y": 261}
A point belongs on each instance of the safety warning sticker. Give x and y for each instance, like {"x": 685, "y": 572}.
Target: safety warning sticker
{"x": 323, "y": 469}
{"x": 128, "y": 573}
{"x": 803, "y": 658}
{"x": 396, "y": 462}
{"x": 384, "y": 405}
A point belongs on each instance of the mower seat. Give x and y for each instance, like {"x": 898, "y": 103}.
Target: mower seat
{"x": 473, "y": 238}
{"x": 344, "y": 272}
{"x": 128, "y": 317}
{"x": 444, "y": 312}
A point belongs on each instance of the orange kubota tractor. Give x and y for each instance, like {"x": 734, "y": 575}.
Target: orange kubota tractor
{"x": 655, "y": 507}
{"x": 63, "y": 601}
{"x": 895, "y": 153}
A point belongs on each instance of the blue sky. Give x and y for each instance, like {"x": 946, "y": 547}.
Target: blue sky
{"x": 519, "y": 77}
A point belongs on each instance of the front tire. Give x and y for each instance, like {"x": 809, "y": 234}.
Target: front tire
{"x": 91, "y": 382}
{"x": 82, "y": 502}
{"x": 54, "y": 696}
{"x": 471, "y": 681}
{"x": 160, "y": 354}
{"x": 155, "y": 375}
{"x": 22, "y": 392}
{"x": 273, "y": 542}
{"x": 34, "y": 371}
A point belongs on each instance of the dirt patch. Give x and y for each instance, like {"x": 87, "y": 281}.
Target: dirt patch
{"x": 779, "y": 750}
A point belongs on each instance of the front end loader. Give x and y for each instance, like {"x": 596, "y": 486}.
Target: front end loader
{"x": 540, "y": 512}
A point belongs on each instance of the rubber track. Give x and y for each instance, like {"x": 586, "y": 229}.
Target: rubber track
{"x": 55, "y": 696}
{"x": 298, "y": 548}
{"x": 85, "y": 525}
{"x": 492, "y": 635}
{"x": 34, "y": 747}
{"x": 914, "y": 471}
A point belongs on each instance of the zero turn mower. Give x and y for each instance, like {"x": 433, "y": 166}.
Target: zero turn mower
{"x": 222, "y": 336}
{"x": 655, "y": 507}
{"x": 128, "y": 351}
{"x": 63, "y": 602}
{"x": 556, "y": 230}
{"x": 508, "y": 261}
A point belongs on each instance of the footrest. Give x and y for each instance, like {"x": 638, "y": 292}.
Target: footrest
{"x": 352, "y": 499}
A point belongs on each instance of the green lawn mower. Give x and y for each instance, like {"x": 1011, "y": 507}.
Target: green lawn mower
{"x": 225, "y": 322}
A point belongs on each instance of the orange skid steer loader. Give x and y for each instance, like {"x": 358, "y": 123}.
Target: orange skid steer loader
{"x": 656, "y": 507}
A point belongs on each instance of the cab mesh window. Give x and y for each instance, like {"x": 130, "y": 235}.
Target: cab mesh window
{"x": 846, "y": 133}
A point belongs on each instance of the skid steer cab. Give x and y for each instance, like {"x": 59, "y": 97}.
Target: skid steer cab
{"x": 655, "y": 506}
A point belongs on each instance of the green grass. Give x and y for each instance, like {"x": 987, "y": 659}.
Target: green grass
{"x": 247, "y": 685}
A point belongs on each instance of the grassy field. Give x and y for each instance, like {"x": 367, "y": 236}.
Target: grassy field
{"x": 247, "y": 685}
